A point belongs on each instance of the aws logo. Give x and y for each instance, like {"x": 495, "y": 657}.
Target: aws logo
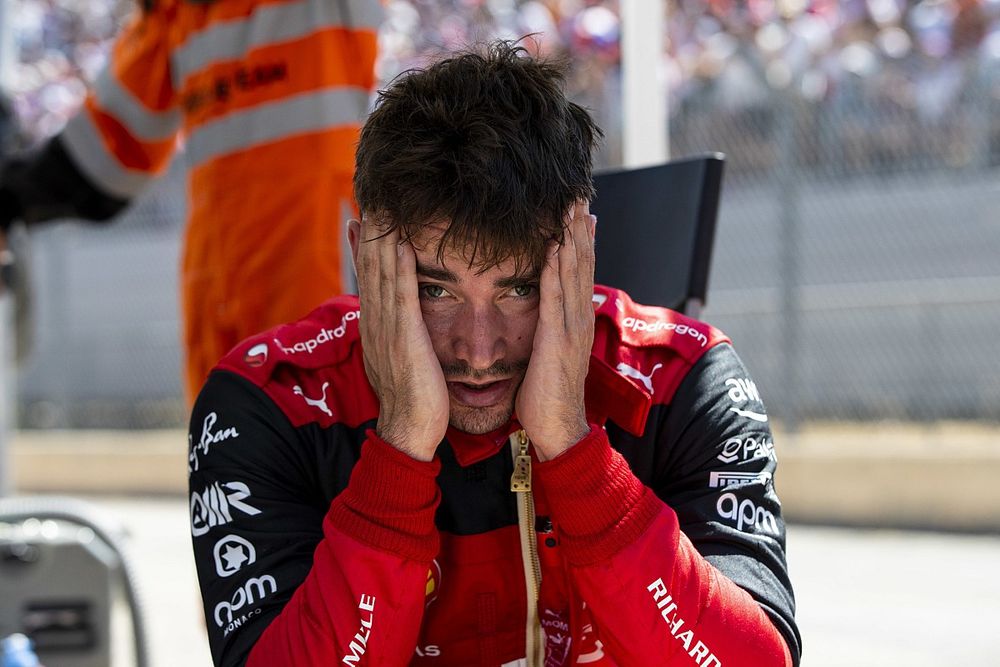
{"x": 433, "y": 583}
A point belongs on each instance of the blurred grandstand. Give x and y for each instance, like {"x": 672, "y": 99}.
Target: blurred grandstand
{"x": 856, "y": 260}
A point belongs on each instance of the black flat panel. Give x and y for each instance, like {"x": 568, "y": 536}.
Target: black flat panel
{"x": 655, "y": 229}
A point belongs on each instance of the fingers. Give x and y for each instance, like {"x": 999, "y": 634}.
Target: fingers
{"x": 551, "y": 306}
{"x": 376, "y": 262}
{"x": 406, "y": 295}
{"x": 576, "y": 266}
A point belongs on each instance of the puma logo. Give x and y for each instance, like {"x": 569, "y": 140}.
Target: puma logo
{"x": 315, "y": 402}
{"x": 635, "y": 374}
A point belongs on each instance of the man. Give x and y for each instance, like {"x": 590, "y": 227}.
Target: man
{"x": 268, "y": 97}
{"x": 486, "y": 461}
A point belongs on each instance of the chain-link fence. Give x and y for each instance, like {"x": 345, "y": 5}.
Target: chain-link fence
{"x": 857, "y": 261}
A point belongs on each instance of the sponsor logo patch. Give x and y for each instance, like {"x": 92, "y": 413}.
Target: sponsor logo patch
{"x": 256, "y": 356}
{"x": 231, "y": 553}
{"x": 746, "y": 449}
{"x": 319, "y": 403}
{"x": 324, "y": 336}
{"x": 670, "y": 614}
{"x": 636, "y": 324}
{"x": 251, "y": 592}
{"x": 745, "y": 514}
{"x": 214, "y": 506}
{"x": 636, "y": 374}
{"x": 433, "y": 583}
{"x": 722, "y": 479}
{"x": 359, "y": 644}
{"x": 208, "y": 438}
{"x": 742, "y": 390}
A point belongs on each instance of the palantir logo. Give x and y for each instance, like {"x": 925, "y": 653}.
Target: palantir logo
{"x": 232, "y": 552}
{"x": 747, "y": 449}
{"x": 213, "y": 506}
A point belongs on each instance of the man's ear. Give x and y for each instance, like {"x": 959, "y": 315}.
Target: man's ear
{"x": 354, "y": 238}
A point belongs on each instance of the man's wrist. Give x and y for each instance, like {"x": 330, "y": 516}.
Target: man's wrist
{"x": 546, "y": 451}
{"x": 390, "y": 501}
{"x": 401, "y": 440}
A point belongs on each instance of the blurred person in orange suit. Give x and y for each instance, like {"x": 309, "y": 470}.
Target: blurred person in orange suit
{"x": 266, "y": 97}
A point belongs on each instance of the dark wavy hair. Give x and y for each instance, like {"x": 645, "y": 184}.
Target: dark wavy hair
{"x": 484, "y": 140}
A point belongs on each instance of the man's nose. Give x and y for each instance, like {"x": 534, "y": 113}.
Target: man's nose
{"x": 480, "y": 337}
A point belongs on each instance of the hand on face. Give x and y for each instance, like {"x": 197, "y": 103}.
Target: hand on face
{"x": 398, "y": 355}
{"x": 550, "y": 402}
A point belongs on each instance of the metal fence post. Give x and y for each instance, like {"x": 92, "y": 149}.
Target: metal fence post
{"x": 788, "y": 180}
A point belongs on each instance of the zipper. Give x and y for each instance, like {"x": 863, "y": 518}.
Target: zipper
{"x": 520, "y": 483}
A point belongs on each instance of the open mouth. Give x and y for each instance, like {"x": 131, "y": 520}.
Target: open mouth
{"x": 479, "y": 394}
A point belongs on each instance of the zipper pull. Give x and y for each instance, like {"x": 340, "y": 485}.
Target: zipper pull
{"x": 520, "y": 481}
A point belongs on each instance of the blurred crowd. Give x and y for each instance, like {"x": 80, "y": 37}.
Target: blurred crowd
{"x": 60, "y": 45}
{"x": 919, "y": 58}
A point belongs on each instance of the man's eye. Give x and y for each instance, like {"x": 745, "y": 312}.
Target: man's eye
{"x": 523, "y": 290}
{"x": 432, "y": 291}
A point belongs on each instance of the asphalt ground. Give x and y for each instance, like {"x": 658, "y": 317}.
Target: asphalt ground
{"x": 865, "y": 597}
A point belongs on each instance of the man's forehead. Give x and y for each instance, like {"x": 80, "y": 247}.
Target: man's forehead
{"x": 438, "y": 252}
{"x": 453, "y": 265}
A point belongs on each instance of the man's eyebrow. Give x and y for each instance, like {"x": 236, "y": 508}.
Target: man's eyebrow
{"x": 526, "y": 278}
{"x": 436, "y": 273}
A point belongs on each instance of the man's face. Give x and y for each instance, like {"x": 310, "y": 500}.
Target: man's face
{"x": 481, "y": 325}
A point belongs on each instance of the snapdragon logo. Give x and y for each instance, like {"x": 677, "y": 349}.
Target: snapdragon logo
{"x": 324, "y": 336}
{"x": 635, "y": 324}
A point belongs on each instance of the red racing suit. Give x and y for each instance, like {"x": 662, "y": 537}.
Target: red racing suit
{"x": 655, "y": 540}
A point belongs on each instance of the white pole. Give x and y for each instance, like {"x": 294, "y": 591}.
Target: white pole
{"x": 644, "y": 95}
{"x": 7, "y": 49}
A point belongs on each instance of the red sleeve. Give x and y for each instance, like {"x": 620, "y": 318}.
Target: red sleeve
{"x": 363, "y": 600}
{"x": 653, "y": 597}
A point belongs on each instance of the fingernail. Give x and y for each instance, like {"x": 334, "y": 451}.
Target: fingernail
{"x": 399, "y": 250}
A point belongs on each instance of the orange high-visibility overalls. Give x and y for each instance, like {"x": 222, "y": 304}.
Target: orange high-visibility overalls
{"x": 267, "y": 98}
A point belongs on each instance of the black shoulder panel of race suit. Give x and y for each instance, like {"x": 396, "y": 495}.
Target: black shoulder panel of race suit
{"x": 259, "y": 489}
{"x": 46, "y": 185}
{"x": 719, "y": 478}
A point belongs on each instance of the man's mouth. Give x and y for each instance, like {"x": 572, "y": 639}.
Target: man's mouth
{"x": 479, "y": 394}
